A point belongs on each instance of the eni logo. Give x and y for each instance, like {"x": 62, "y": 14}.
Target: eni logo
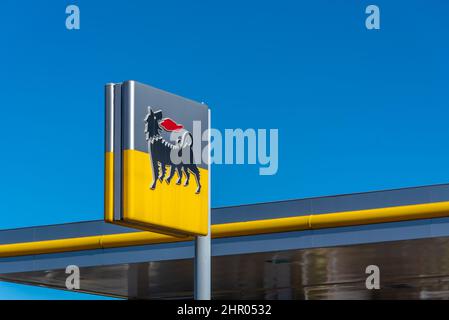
{"x": 162, "y": 153}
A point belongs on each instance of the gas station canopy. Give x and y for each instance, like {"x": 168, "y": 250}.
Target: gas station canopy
{"x": 321, "y": 260}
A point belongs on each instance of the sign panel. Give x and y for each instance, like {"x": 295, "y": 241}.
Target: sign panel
{"x": 156, "y": 160}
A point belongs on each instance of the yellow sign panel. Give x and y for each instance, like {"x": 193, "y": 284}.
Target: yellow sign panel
{"x": 155, "y": 176}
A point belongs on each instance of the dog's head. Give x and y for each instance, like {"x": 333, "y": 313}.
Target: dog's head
{"x": 152, "y": 120}
{"x": 154, "y": 123}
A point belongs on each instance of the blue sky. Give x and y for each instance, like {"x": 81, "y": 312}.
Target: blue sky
{"x": 357, "y": 110}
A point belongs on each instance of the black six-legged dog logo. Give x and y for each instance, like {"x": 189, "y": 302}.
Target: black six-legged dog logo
{"x": 161, "y": 150}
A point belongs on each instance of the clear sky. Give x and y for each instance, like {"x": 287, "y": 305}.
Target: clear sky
{"x": 357, "y": 109}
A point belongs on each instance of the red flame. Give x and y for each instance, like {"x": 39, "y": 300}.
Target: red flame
{"x": 169, "y": 125}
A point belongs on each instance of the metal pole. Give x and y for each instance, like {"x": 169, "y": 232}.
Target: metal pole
{"x": 202, "y": 287}
{"x": 202, "y": 268}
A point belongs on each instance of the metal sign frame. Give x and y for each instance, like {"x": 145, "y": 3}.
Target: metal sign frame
{"x": 178, "y": 210}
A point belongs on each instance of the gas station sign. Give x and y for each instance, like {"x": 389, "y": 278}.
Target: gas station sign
{"x": 155, "y": 176}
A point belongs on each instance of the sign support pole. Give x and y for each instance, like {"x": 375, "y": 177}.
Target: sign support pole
{"x": 203, "y": 267}
{"x": 202, "y": 286}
